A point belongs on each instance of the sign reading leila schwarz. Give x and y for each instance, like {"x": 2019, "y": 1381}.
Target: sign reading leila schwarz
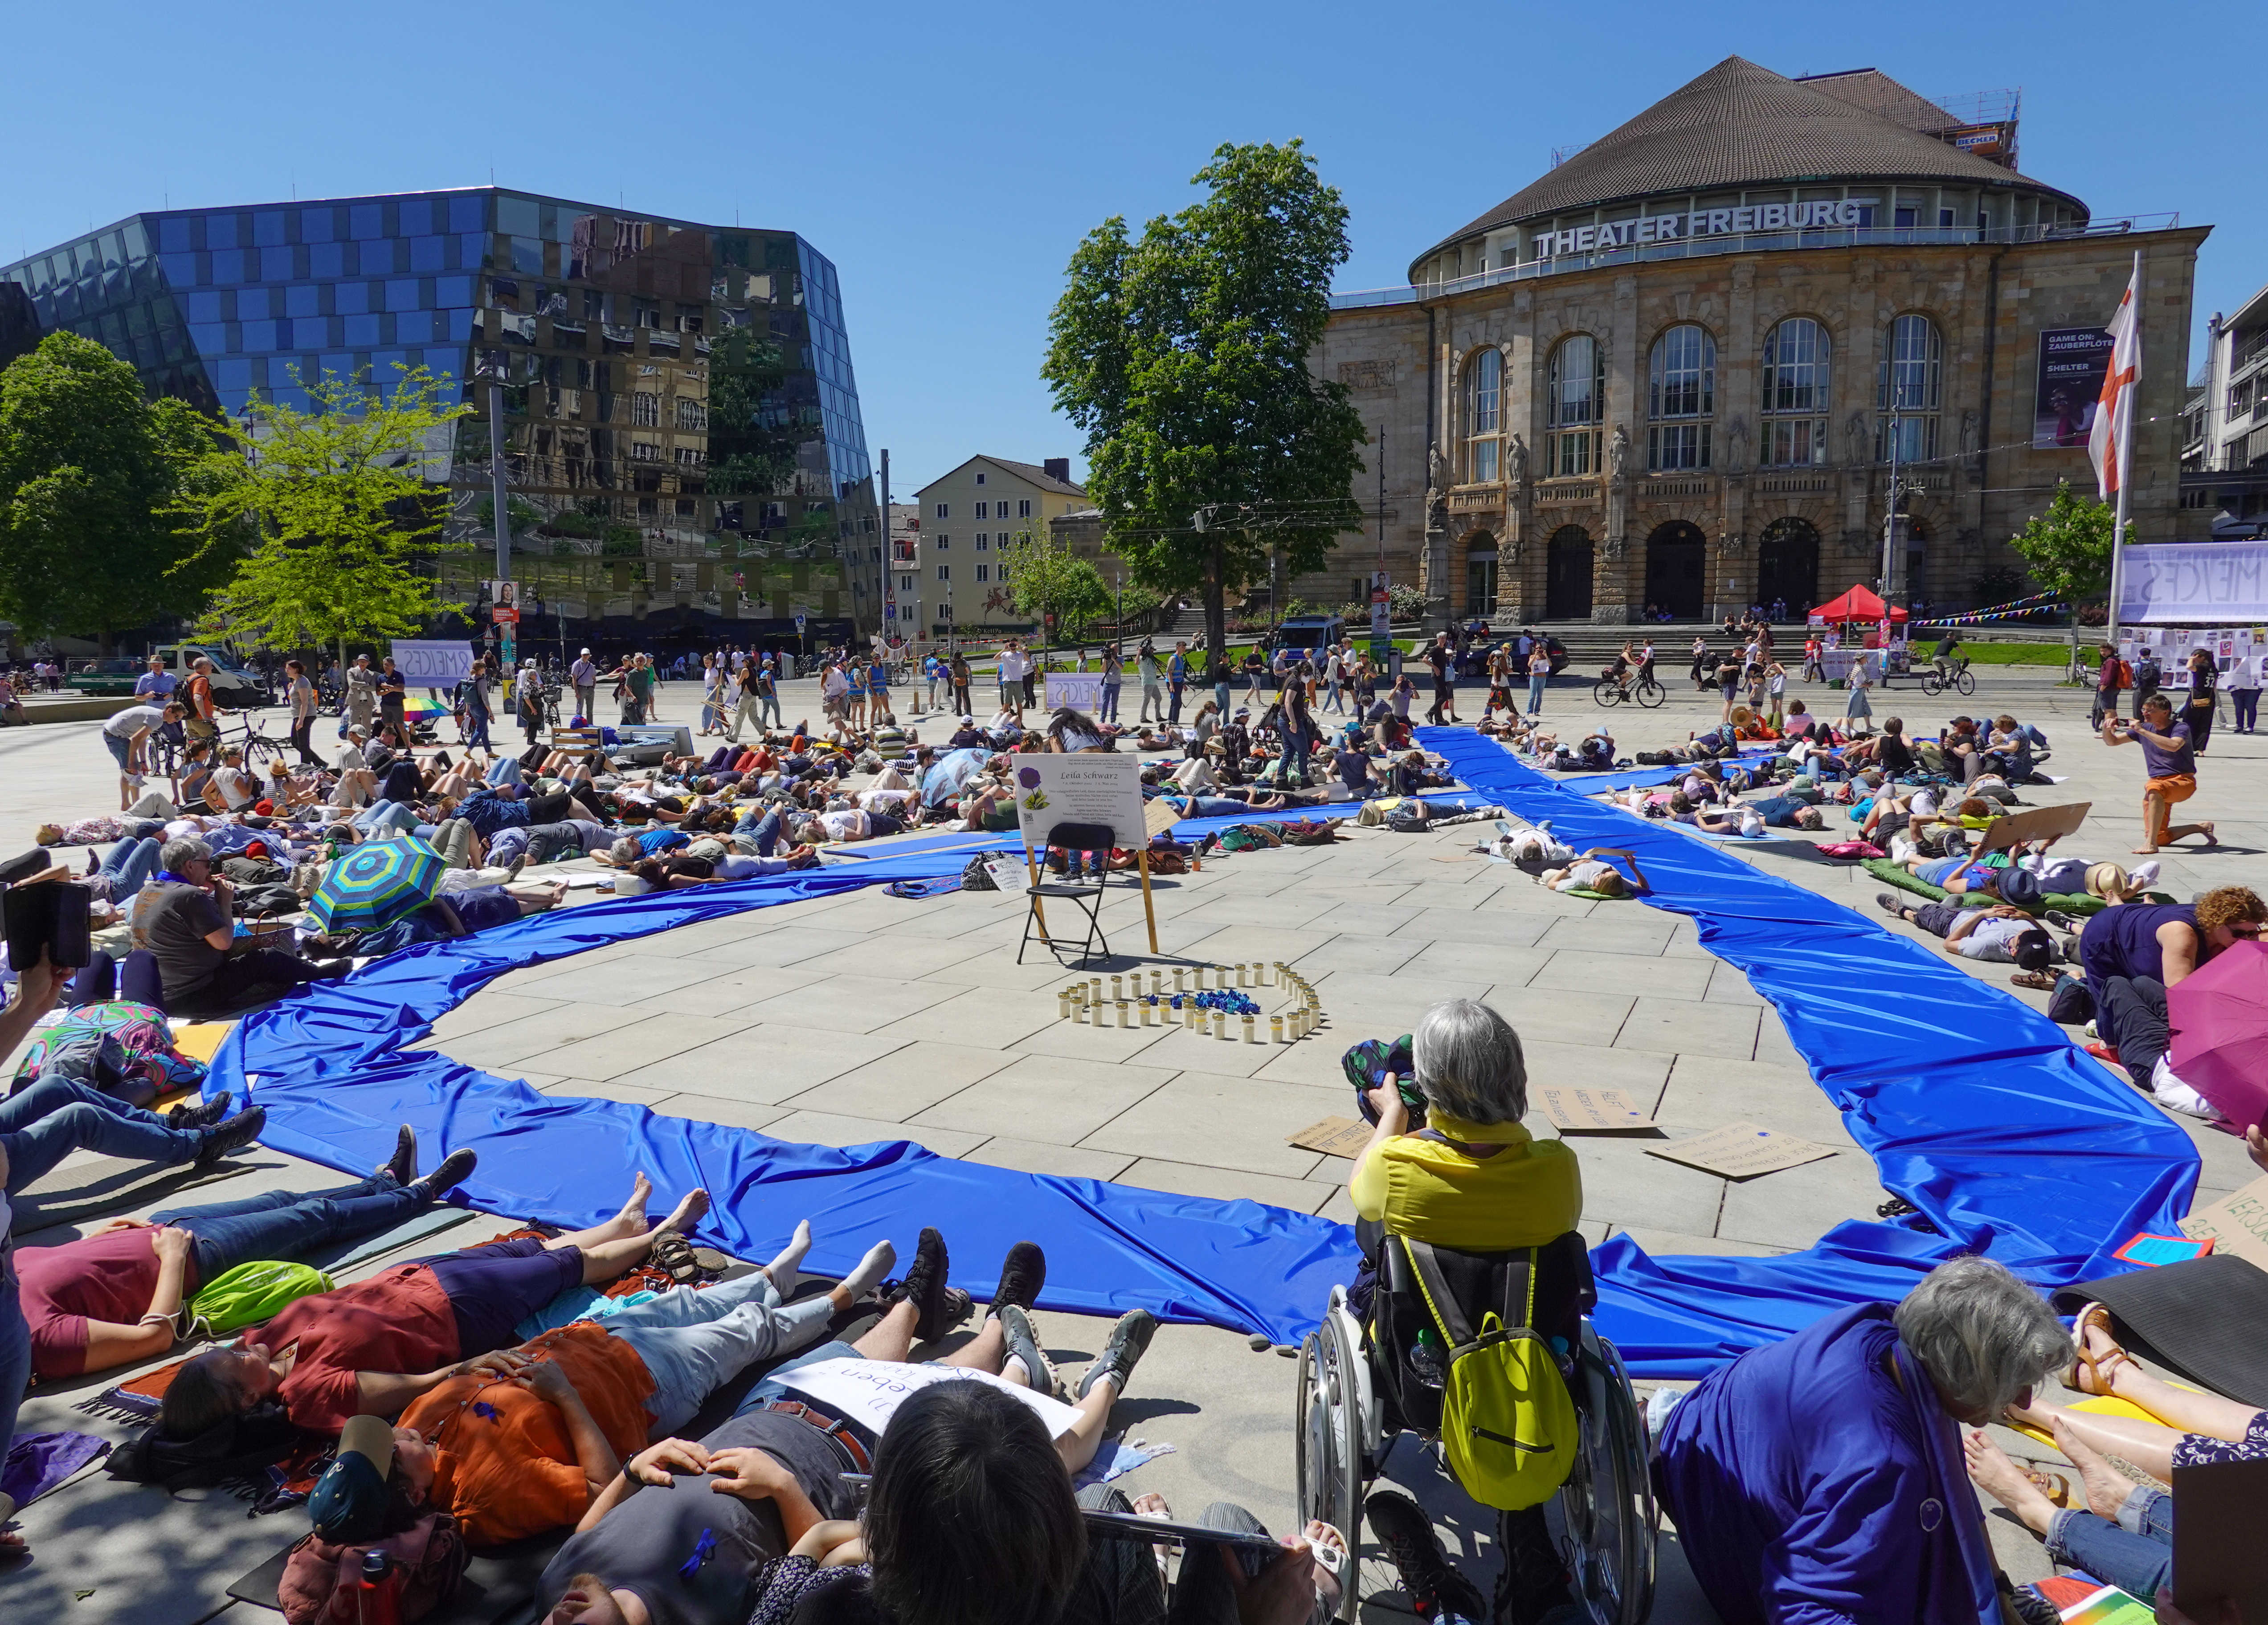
{"x": 2195, "y": 583}
{"x": 1669, "y": 228}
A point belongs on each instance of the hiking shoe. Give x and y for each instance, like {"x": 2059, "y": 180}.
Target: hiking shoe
{"x": 237, "y": 1132}
{"x": 1434, "y": 1586}
{"x": 1889, "y": 902}
{"x": 1129, "y": 1339}
{"x": 1022, "y": 1274}
{"x": 403, "y": 1166}
{"x": 455, "y": 1169}
{"x": 198, "y": 1113}
{"x": 1024, "y": 1345}
{"x": 2064, "y": 922}
{"x": 938, "y": 1307}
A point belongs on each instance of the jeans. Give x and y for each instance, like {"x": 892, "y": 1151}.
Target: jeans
{"x": 129, "y": 865}
{"x": 692, "y": 1342}
{"x": 762, "y": 828}
{"x": 476, "y": 731}
{"x": 769, "y": 705}
{"x": 385, "y": 818}
{"x": 453, "y": 840}
{"x": 104, "y": 979}
{"x": 2131, "y": 1017}
{"x": 15, "y": 1349}
{"x": 2135, "y": 1553}
{"x": 1174, "y": 715}
{"x": 2246, "y": 702}
{"x": 290, "y": 1224}
{"x": 1535, "y": 681}
{"x": 1110, "y": 708}
{"x": 46, "y": 1121}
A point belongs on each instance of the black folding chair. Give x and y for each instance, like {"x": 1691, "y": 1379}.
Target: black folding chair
{"x": 1073, "y": 838}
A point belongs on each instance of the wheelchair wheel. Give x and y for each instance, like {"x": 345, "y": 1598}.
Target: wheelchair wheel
{"x": 1966, "y": 683}
{"x": 1650, "y": 694}
{"x": 1327, "y": 1423}
{"x": 1608, "y": 1502}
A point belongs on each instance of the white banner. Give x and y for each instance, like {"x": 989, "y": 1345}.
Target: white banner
{"x": 1082, "y": 691}
{"x": 869, "y": 1392}
{"x": 1080, "y": 787}
{"x": 2196, "y": 584}
{"x": 433, "y": 665}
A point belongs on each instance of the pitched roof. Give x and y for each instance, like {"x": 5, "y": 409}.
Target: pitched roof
{"x": 1883, "y": 95}
{"x": 1038, "y": 476}
{"x": 1742, "y": 125}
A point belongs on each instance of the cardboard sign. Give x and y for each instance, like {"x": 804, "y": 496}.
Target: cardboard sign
{"x": 1080, "y": 789}
{"x": 2011, "y": 829}
{"x": 2238, "y": 1223}
{"x": 1593, "y": 1110}
{"x": 1158, "y": 817}
{"x": 1742, "y": 1152}
{"x": 1082, "y": 691}
{"x": 869, "y": 1392}
{"x": 1333, "y": 1136}
{"x": 1009, "y": 873}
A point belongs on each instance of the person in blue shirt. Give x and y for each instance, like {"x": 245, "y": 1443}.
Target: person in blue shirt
{"x": 157, "y": 683}
{"x": 1177, "y": 675}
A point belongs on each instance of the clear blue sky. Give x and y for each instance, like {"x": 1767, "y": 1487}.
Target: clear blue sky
{"x": 948, "y": 158}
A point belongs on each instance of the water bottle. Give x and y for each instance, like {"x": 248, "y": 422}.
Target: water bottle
{"x": 1425, "y": 1359}
{"x": 378, "y": 1598}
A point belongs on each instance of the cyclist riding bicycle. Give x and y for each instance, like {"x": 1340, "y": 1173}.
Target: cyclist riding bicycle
{"x": 1941, "y": 657}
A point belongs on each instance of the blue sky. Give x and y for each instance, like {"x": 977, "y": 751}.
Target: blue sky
{"x": 949, "y": 159}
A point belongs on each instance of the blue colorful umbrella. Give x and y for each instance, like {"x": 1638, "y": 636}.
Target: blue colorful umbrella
{"x": 376, "y": 883}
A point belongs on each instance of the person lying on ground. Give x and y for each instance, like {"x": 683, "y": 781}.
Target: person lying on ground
{"x": 1813, "y": 1478}
{"x": 458, "y": 912}
{"x": 782, "y": 1461}
{"x": 846, "y": 825}
{"x": 114, "y": 1297}
{"x": 1752, "y": 818}
{"x": 1591, "y": 874}
{"x": 2002, "y": 933}
{"x": 55, "y": 1114}
{"x": 2131, "y": 952}
{"x": 372, "y": 1347}
{"x": 2117, "y": 1530}
{"x": 524, "y": 1444}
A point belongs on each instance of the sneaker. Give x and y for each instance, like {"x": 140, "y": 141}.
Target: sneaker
{"x": 1889, "y": 902}
{"x": 1023, "y": 1335}
{"x": 1022, "y": 1274}
{"x": 938, "y": 1307}
{"x": 403, "y": 1166}
{"x": 231, "y": 1134}
{"x": 1434, "y": 1586}
{"x": 455, "y": 1169}
{"x": 2064, "y": 922}
{"x": 1129, "y": 1339}
{"x": 198, "y": 1113}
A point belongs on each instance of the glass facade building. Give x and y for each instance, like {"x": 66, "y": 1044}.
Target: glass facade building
{"x": 682, "y": 429}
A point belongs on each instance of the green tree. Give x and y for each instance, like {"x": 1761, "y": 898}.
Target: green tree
{"x": 1045, "y": 577}
{"x": 2067, "y": 550}
{"x": 1184, "y": 357}
{"x": 89, "y": 473}
{"x": 347, "y": 526}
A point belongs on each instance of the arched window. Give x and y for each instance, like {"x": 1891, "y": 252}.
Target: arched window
{"x": 1483, "y": 417}
{"x": 1577, "y": 399}
{"x": 1797, "y": 356}
{"x": 1681, "y": 398}
{"x": 1908, "y": 390}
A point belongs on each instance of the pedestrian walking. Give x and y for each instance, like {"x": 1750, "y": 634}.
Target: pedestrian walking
{"x": 301, "y": 693}
{"x": 584, "y": 676}
{"x": 1858, "y": 709}
{"x": 2244, "y": 694}
{"x": 1153, "y": 696}
{"x": 2111, "y": 675}
{"x": 1701, "y": 662}
{"x": 958, "y": 668}
{"x": 1539, "y": 674}
{"x": 1114, "y": 679}
{"x": 478, "y": 709}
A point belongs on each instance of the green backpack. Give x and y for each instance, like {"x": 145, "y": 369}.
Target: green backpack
{"x": 1508, "y": 1425}
{"x": 251, "y": 1293}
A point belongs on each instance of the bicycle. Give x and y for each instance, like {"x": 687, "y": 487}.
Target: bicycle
{"x": 1936, "y": 680}
{"x": 257, "y": 745}
{"x": 1611, "y": 690}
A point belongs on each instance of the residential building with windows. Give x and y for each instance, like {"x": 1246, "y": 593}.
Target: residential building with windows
{"x": 685, "y": 450}
{"x": 972, "y": 521}
{"x": 903, "y": 591}
{"x": 1678, "y": 373}
{"x": 2224, "y": 433}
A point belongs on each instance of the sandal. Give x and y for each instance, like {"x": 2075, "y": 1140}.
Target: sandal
{"x": 2054, "y": 1486}
{"x": 2101, "y": 1368}
{"x": 673, "y": 1255}
{"x": 2038, "y": 980}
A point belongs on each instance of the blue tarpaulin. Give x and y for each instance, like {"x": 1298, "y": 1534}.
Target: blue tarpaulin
{"x": 1976, "y": 1108}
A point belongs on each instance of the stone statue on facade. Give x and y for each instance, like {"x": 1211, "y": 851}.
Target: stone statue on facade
{"x": 1516, "y": 461}
{"x": 1737, "y": 448}
{"x": 1969, "y": 433}
{"x": 1854, "y": 434}
{"x": 1618, "y": 451}
{"x": 1432, "y": 471}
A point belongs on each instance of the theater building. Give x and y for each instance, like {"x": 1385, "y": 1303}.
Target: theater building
{"x": 1683, "y": 369}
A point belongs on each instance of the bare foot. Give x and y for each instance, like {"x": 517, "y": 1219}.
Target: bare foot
{"x": 1150, "y": 1504}
{"x": 2000, "y": 1477}
{"x": 2211, "y": 838}
{"x": 2256, "y": 1146}
{"x": 2145, "y": 850}
{"x": 2107, "y": 1487}
{"x": 631, "y": 1219}
{"x": 687, "y": 1213}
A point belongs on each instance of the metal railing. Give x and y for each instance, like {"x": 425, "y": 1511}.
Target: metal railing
{"x": 1750, "y": 242}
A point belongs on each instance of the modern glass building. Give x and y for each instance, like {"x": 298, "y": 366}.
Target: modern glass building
{"x": 686, "y": 454}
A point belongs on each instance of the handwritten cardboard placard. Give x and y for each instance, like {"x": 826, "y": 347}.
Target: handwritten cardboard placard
{"x": 1593, "y": 1110}
{"x": 1333, "y": 1136}
{"x": 869, "y": 1392}
{"x": 2238, "y": 1223}
{"x": 1742, "y": 1152}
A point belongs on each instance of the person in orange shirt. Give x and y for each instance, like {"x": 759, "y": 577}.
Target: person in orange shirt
{"x": 523, "y": 1445}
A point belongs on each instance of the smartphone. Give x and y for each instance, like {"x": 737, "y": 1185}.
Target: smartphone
{"x": 52, "y": 917}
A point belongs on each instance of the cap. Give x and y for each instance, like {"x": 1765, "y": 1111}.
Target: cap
{"x": 586, "y": 651}
{"x": 348, "y": 1504}
{"x": 2035, "y": 950}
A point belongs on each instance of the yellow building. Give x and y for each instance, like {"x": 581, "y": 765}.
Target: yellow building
{"x": 971, "y": 522}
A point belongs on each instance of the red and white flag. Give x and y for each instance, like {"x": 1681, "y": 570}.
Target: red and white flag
{"x": 2108, "y": 437}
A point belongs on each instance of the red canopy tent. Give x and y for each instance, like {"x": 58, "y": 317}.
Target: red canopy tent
{"x": 1856, "y": 605}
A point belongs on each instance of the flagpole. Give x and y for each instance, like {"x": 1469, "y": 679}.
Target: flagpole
{"x": 2124, "y": 450}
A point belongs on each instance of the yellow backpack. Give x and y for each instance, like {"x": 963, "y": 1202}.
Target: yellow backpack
{"x": 1508, "y": 1425}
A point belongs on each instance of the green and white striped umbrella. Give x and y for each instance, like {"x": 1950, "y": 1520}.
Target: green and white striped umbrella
{"x": 376, "y": 883}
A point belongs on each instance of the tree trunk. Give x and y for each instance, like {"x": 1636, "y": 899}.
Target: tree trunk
{"x": 1217, "y": 610}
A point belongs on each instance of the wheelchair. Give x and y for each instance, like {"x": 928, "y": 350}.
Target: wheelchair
{"x": 1356, "y": 1394}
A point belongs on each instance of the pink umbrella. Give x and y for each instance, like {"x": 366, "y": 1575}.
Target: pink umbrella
{"x": 2219, "y": 1014}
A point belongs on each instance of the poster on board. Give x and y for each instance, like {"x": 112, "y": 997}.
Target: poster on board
{"x": 2072, "y": 362}
{"x": 1082, "y": 691}
{"x": 433, "y": 664}
{"x": 1080, "y": 787}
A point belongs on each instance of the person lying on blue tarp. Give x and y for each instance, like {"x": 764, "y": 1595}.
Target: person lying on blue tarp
{"x": 1821, "y": 1478}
